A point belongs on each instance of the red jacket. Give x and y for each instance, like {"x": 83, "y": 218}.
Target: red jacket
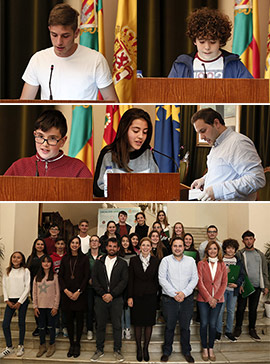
{"x": 55, "y": 167}
{"x": 206, "y": 284}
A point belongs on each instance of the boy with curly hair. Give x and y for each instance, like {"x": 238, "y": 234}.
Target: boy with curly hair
{"x": 209, "y": 30}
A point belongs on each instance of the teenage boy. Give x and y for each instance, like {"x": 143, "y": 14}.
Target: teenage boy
{"x": 234, "y": 168}
{"x": 256, "y": 268}
{"x": 50, "y": 131}
{"x": 212, "y": 232}
{"x": 230, "y": 247}
{"x": 122, "y": 228}
{"x": 54, "y": 231}
{"x": 209, "y": 30}
{"x": 67, "y": 70}
{"x": 85, "y": 238}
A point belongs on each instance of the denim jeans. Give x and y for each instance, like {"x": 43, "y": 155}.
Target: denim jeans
{"x": 126, "y": 318}
{"x": 230, "y": 302}
{"x": 253, "y": 301}
{"x": 9, "y": 312}
{"x": 209, "y": 318}
{"x": 103, "y": 311}
{"x": 45, "y": 318}
{"x": 182, "y": 312}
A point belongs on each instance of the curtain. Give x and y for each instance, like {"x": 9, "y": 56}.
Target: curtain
{"x": 16, "y": 132}
{"x": 161, "y": 33}
{"x": 255, "y": 123}
{"x": 197, "y": 157}
{"x": 23, "y": 31}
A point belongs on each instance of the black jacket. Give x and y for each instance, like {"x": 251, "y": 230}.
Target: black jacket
{"x": 118, "y": 281}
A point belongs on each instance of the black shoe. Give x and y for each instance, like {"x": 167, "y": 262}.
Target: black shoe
{"x": 146, "y": 354}
{"x": 164, "y": 357}
{"x": 218, "y": 336}
{"x": 77, "y": 350}
{"x": 253, "y": 335}
{"x": 35, "y": 332}
{"x": 70, "y": 351}
{"x": 139, "y": 354}
{"x": 230, "y": 336}
{"x": 237, "y": 331}
{"x": 189, "y": 358}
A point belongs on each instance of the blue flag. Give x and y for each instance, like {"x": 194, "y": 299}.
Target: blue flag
{"x": 167, "y": 137}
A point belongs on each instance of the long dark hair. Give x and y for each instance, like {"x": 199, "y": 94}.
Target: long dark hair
{"x": 192, "y": 244}
{"x": 10, "y": 266}
{"x": 120, "y": 147}
{"x": 165, "y": 217}
{"x": 41, "y": 274}
{"x": 69, "y": 242}
{"x": 160, "y": 246}
{"x": 130, "y": 247}
{"x": 34, "y": 251}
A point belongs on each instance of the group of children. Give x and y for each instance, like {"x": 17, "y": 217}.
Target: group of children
{"x": 39, "y": 277}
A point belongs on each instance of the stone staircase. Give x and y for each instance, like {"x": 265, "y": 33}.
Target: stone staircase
{"x": 244, "y": 351}
{"x": 198, "y": 233}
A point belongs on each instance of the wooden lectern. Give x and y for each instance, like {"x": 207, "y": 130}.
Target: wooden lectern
{"x": 187, "y": 90}
{"x": 45, "y": 189}
{"x": 144, "y": 187}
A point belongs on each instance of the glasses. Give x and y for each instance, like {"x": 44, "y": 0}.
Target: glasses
{"x": 51, "y": 141}
{"x": 211, "y": 231}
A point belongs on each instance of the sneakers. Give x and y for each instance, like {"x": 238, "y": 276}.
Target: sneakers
{"x": 7, "y": 351}
{"x": 218, "y": 336}
{"x": 118, "y": 355}
{"x": 237, "y": 331}
{"x": 253, "y": 335}
{"x": 128, "y": 334}
{"x": 65, "y": 332}
{"x": 89, "y": 335}
{"x": 20, "y": 350}
{"x": 123, "y": 333}
{"x": 230, "y": 336}
{"x": 57, "y": 331}
{"x": 36, "y": 332}
{"x": 98, "y": 354}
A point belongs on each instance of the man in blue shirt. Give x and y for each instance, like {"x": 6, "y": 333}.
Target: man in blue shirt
{"x": 178, "y": 277}
{"x": 234, "y": 168}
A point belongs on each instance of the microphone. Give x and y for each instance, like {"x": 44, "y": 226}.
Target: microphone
{"x": 204, "y": 70}
{"x": 167, "y": 156}
{"x": 51, "y": 97}
{"x": 37, "y": 172}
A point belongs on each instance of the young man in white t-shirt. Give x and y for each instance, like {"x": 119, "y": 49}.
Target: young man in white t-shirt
{"x": 85, "y": 238}
{"x": 67, "y": 70}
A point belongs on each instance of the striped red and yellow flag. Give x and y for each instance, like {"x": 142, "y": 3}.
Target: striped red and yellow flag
{"x": 246, "y": 35}
{"x": 125, "y": 50}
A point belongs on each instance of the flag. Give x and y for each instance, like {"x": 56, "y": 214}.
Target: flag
{"x": 167, "y": 137}
{"x": 125, "y": 50}
{"x": 112, "y": 119}
{"x": 246, "y": 37}
{"x": 267, "y": 63}
{"x": 81, "y": 138}
{"x": 91, "y": 36}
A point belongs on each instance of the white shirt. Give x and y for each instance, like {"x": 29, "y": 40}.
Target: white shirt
{"x": 17, "y": 284}
{"x": 234, "y": 168}
{"x": 213, "y": 69}
{"x": 76, "y": 77}
{"x": 85, "y": 243}
{"x": 109, "y": 263}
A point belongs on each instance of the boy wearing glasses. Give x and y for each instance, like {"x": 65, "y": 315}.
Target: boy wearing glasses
{"x": 49, "y": 161}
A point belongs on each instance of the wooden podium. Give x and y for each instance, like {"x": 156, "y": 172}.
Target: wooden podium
{"x": 144, "y": 187}
{"x": 121, "y": 187}
{"x": 187, "y": 90}
{"x": 45, "y": 189}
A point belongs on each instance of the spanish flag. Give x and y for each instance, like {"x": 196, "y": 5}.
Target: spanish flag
{"x": 125, "y": 50}
{"x": 267, "y": 63}
{"x": 246, "y": 37}
{"x": 92, "y": 36}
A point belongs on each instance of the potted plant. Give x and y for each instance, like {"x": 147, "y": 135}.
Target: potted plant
{"x": 267, "y": 302}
